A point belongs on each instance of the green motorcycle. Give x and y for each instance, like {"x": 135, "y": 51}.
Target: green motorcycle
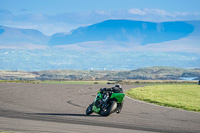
{"x": 106, "y": 103}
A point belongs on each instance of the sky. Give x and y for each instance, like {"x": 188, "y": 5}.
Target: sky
{"x": 53, "y": 16}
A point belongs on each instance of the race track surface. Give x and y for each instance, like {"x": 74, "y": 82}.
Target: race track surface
{"x": 60, "y": 108}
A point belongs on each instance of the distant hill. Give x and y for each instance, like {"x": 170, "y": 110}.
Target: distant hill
{"x": 161, "y": 73}
{"x": 139, "y": 32}
{"x": 150, "y": 73}
{"x": 20, "y": 37}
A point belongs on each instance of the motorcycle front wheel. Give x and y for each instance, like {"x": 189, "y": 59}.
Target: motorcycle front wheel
{"x": 89, "y": 110}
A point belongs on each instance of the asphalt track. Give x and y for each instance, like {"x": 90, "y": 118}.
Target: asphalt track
{"x": 60, "y": 108}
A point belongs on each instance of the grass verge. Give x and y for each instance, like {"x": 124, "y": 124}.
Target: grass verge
{"x": 74, "y": 82}
{"x": 181, "y": 96}
{"x": 57, "y": 82}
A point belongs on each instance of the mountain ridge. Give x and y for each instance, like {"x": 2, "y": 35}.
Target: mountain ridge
{"x": 117, "y": 31}
{"x": 140, "y": 32}
{"x": 21, "y": 37}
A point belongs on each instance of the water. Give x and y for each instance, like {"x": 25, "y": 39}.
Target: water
{"x": 188, "y": 78}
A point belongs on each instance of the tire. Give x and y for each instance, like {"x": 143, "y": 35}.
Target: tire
{"x": 111, "y": 108}
{"x": 89, "y": 110}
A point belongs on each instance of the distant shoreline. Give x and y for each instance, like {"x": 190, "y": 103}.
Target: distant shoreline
{"x": 143, "y": 74}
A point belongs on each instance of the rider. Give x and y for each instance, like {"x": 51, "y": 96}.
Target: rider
{"x": 116, "y": 89}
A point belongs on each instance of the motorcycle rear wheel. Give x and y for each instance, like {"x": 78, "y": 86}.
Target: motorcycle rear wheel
{"x": 110, "y": 109}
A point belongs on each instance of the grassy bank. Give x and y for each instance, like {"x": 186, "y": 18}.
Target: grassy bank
{"x": 181, "y": 96}
{"x": 156, "y": 82}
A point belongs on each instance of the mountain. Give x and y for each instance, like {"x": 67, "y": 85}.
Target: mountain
{"x": 116, "y": 34}
{"x": 21, "y": 37}
{"x": 139, "y": 32}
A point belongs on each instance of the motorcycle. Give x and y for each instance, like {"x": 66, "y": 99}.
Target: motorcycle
{"x": 105, "y": 103}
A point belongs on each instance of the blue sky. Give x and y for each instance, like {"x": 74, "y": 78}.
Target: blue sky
{"x": 60, "y": 6}
{"x": 51, "y": 16}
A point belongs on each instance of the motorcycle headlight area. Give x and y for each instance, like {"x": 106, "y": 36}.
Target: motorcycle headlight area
{"x": 105, "y": 97}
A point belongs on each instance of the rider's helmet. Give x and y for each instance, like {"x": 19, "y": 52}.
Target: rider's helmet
{"x": 118, "y": 85}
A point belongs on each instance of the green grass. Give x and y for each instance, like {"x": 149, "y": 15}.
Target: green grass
{"x": 56, "y": 82}
{"x": 181, "y": 96}
{"x": 73, "y": 82}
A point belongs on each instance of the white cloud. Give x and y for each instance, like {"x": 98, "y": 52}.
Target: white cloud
{"x": 147, "y": 11}
{"x": 38, "y": 17}
{"x": 136, "y": 11}
{"x": 157, "y": 12}
{"x": 101, "y": 12}
{"x": 162, "y": 13}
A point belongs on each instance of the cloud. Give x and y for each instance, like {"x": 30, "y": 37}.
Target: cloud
{"x": 147, "y": 11}
{"x": 38, "y": 17}
{"x": 101, "y": 12}
{"x": 160, "y": 13}
{"x": 136, "y": 11}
